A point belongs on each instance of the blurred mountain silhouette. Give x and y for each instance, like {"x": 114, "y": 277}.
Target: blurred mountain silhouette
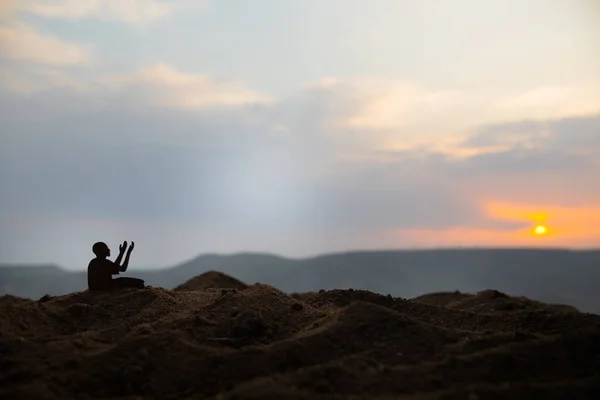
{"x": 553, "y": 276}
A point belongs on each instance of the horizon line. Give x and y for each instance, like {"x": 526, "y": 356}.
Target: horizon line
{"x": 324, "y": 254}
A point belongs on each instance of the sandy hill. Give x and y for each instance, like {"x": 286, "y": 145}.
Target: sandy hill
{"x": 212, "y": 279}
{"x": 257, "y": 342}
{"x": 489, "y": 301}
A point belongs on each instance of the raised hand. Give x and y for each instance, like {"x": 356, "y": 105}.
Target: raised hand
{"x": 123, "y": 246}
{"x": 131, "y": 247}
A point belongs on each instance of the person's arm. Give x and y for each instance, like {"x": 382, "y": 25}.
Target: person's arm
{"x": 122, "y": 248}
{"x": 110, "y": 267}
{"x": 126, "y": 263}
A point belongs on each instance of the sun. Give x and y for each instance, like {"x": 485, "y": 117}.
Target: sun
{"x": 540, "y": 230}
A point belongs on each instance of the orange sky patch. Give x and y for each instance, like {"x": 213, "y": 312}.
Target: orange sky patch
{"x": 566, "y": 223}
{"x": 575, "y": 227}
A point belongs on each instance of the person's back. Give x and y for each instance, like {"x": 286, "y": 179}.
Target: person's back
{"x": 100, "y": 273}
{"x": 101, "y": 269}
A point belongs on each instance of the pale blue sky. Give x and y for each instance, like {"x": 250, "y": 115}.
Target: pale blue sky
{"x": 294, "y": 126}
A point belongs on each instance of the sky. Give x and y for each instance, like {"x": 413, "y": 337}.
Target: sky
{"x": 296, "y": 127}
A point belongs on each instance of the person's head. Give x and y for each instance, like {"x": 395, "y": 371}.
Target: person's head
{"x": 101, "y": 250}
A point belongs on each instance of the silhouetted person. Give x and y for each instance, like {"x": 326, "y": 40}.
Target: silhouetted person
{"x": 101, "y": 269}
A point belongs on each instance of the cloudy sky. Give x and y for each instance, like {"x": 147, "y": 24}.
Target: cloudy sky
{"x": 296, "y": 126}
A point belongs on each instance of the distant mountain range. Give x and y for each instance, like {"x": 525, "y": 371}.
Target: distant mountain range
{"x": 553, "y": 276}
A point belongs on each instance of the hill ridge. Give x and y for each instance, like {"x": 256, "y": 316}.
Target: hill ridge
{"x": 556, "y": 276}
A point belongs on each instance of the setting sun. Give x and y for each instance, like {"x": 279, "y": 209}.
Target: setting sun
{"x": 540, "y": 230}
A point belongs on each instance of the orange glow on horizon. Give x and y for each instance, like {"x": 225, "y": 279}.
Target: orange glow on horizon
{"x": 568, "y": 223}
{"x": 541, "y": 226}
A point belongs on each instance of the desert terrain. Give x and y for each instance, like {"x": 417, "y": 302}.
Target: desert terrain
{"x": 215, "y": 337}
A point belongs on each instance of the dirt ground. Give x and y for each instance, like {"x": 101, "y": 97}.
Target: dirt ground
{"x": 214, "y": 337}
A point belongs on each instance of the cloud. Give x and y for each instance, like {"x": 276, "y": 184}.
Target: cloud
{"x": 572, "y": 136}
{"x": 372, "y": 104}
{"x": 23, "y": 43}
{"x": 520, "y": 133}
{"x": 162, "y": 85}
{"x": 279, "y": 176}
{"x": 129, "y": 11}
{"x": 584, "y": 133}
{"x": 27, "y": 44}
{"x": 7, "y": 8}
{"x": 392, "y": 116}
{"x": 29, "y": 80}
{"x": 552, "y": 102}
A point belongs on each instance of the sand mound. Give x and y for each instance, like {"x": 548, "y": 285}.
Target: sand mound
{"x": 259, "y": 314}
{"x": 442, "y": 299}
{"x": 340, "y": 298}
{"x": 490, "y": 301}
{"x": 256, "y": 342}
{"x": 212, "y": 279}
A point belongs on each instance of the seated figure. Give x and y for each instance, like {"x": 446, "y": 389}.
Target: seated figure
{"x": 101, "y": 269}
